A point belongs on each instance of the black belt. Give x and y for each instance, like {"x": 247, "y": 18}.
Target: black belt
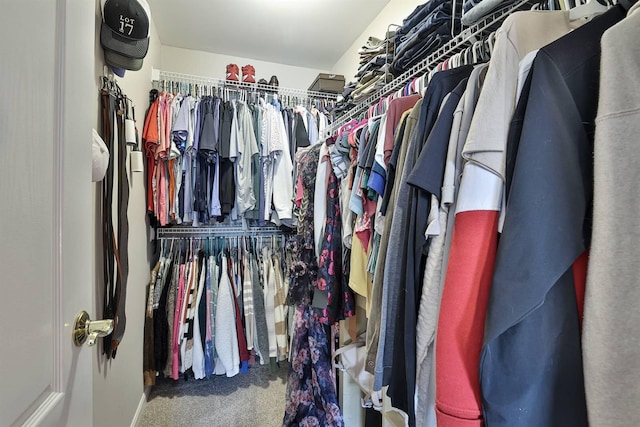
{"x": 115, "y": 249}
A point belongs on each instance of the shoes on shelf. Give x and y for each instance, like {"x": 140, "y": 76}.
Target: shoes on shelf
{"x": 233, "y": 73}
{"x": 248, "y": 74}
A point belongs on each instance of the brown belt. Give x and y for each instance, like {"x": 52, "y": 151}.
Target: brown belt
{"x": 115, "y": 248}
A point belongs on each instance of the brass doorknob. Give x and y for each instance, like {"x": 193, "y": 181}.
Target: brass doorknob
{"x": 86, "y": 330}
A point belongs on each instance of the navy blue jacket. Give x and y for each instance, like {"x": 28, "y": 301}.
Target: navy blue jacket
{"x": 531, "y": 364}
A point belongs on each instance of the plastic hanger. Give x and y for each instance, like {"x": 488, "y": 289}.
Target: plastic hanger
{"x": 486, "y": 54}
{"x": 347, "y": 127}
{"x": 453, "y": 61}
{"x": 476, "y": 53}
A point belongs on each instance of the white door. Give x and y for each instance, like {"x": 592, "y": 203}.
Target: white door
{"x": 47, "y": 97}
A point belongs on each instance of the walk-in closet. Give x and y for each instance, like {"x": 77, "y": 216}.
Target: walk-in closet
{"x": 362, "y": 213}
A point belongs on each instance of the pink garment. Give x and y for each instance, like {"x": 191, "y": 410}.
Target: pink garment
{"x": 362, "y": 230}
{"x": 161, "y": 150}
{"x": 299, "y": 190}
{"x": 163, "y": 213}
{"x": 397, "y": 107}
{"x": 154, "y": 186}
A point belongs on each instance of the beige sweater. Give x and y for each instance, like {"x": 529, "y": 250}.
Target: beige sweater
{"x": 611, "y": 342}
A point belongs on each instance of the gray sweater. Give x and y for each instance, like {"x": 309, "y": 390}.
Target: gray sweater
{"x": 611, "y": 343}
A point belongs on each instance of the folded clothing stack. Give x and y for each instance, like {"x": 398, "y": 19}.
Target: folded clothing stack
{"x": 346, "y": 103}
{"x": 424, "y": 31}
{"x": 376, "y": 53}
{"x": 375, "y": 70}
{"x": 375, "y": 59}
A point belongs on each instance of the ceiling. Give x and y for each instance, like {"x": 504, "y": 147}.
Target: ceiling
{"x": 306, "y": 33}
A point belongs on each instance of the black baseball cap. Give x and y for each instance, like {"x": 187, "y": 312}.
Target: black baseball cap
{"x": 124, "y": 33}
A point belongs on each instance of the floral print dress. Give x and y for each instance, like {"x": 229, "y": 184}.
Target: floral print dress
{"x": 311, "y": 393}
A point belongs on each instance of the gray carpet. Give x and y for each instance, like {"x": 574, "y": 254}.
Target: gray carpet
{"x": 256, "y": 398}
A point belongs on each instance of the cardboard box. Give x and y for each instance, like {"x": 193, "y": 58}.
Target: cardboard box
{"x": 331, "y": 83}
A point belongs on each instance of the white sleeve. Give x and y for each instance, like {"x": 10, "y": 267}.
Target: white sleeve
{"x": 379, "y": 158}
{"x": 198, "y": 350}
{"x": 283, "y": 181}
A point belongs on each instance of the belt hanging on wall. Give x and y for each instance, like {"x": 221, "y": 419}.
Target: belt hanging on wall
{"x": 115, "y": 244}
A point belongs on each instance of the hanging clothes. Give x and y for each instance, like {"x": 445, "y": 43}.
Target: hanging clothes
{"x": 199, "y": 331}
{"x": 209, "y": 159}
{"x": 261, "y": 341}
{"x": 408, "y": 243}
{"x": 226, "y": 334}
{"x": 211, "y": 290}
{"x": 475, "y": 235}
{"x": 205, "y": 309}
{"x": 280, "y": 309}
{"x": 160, "y": 315}
{"x": 555, "y": 238}
{"x": 269, "y": 281}
{"x": 148, "y": 359}
{"x": 311, "y": 394}
{"x": 311, "y": 391}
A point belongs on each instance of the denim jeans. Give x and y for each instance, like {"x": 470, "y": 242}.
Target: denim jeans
{"x": 416, "y": 17}
{"x": 432, "y": 42}
{"x": 426, "y": 27}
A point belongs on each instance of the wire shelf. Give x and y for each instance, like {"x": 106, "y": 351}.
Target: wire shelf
{"x": 467, "y": 37}
{"x": 223, "y": 230}
{"x": 222, "y": 83}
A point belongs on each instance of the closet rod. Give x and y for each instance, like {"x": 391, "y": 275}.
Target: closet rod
{"x": 468, "y": 36}
{"x": 158, "y": 75}
{"x": 219, "y": 231}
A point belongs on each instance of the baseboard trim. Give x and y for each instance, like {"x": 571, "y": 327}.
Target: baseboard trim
{"x": 136, "y": 417}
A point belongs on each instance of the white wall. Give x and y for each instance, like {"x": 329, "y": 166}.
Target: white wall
{"x": 118, "y": 383}
{"x": 207, "y": 64}
{"x": 393, "y": 13}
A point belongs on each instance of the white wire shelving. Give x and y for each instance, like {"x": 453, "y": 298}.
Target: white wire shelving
{"x": 217, "y": 230}
{"x": 170, "y": 77}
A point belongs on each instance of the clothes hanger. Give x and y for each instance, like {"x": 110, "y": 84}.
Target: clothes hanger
{"x": 492, "y": 42}
{"x": 452, "y": 60}
{"x": 174, "y": 252}
{"x": 347, "y": 127}
{"x": 484, "y": 51}
{"x": 174, "y": 248}
{"x": 476, "y": 53}
{"x": 463, "y": 56}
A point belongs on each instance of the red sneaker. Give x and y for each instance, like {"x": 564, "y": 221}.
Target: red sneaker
{"x": 233, "y": 73}
{"x": 248, "y": 74}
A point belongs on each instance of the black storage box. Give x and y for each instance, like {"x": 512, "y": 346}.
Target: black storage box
{"x": 332, "y": 83}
